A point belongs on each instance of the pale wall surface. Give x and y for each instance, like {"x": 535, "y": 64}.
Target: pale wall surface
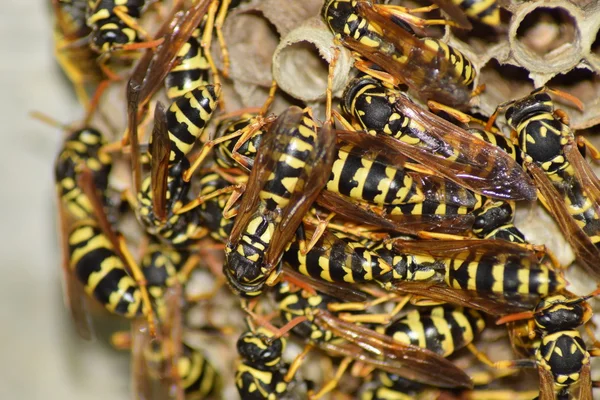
{"x": 41, "y": 357}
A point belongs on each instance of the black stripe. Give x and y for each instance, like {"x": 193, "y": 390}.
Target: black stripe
{"x": 511, "y": 277}
{"x": 484, "y": 279}
{"x": 126, "y": 300}
{"x": 91, "y": 262}
{"x": 346, "y": 181}
{"x": 108, "y": 285}
{"x": 374, "y": 176}
{"x": 457, "y": 333}
{"x": 433, "y": 337}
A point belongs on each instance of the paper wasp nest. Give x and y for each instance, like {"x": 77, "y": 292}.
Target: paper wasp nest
{"x": 554, "y": 43}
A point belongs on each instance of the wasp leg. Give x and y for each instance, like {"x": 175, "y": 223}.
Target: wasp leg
{"x": 321, "y": 226}
{"x": 404, "y": 14}
{"x": 500, "y": 364}
{"x": 381, "y": 319}
{"x": 204, "y": 198}
{"x": 329, "y": 386}
{"x": 219, "y": 30}
{"x": 141, "y": 281}
{"x": 589, "y": 148}
{"x": 244, "y": 135}
{"x": 289, "y": 376}
{"x": 367, "y": 68}
{"x": 206, "y": 42}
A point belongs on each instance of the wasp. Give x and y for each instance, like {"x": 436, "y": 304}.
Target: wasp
{"x": 400, "y": 126}
{"x": 260, "y": 373}
{"x": 77, "y": 62}
{"x": 493, "y": 276}
{"x": 153, "y": 67}
{"x": 434, "y": 70}
{"x": 291, "y": 167}
{"x": 569, "y": 188}
{"x": 441, "y": 329}
{"x": 80, "y": 151}
{"x": 114, "y": 24}
{"x": 174, "y": 134}
{"x": 166, "y": 366}
{"x": 560, "y": 353}
{"x": 321, "y": 328}
{"x": 360, "y": 174}
{"x": 493, "y": 219}
{"x": 483, "y": 11}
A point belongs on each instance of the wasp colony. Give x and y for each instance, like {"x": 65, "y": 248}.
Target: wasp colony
{"x": 345, "y": 199}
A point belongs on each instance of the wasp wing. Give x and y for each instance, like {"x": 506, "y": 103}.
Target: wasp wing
{"x": 426, "y": 70}
{"x": 160, "y": 149}
{"x": 464, "y": 248}
{"x": 546, "y": 385}
{"x": 73, "y": 293}
{"x": 436, "y": 188}
{"x": 337, "y": 290}
{"x": 408, "y": 224}
{"x": 587, "y": 253}
{"x": 264, "y": 163}
{"x": 487, "y": 302}
{"x": 381, "y": 351}
{"x": 314, "y": 176}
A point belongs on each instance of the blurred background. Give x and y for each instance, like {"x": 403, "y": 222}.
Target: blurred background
{"x": 42, "y": 356}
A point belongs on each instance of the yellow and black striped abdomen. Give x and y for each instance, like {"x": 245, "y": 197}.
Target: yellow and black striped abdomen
{"x": 344, "y": 21}
{"x": 442, "y": 329}
{"x": 187, "y": 117}
{"x": 102, "y": 272}
{"x": 486, "y": 11}
{"x": 293, "y": 147}
{"x": 199, "y": 377}
{"x": 260, "y": 373}
{"x": 337, "y": 260}
{"x": 108, "y": 30}
{"x": 504, "y": 275}
{"x": 372, "y": 179}
{"x": 463, "y": 68}
{"x": 192, "y": 71}
{"x": 81, "y": 148}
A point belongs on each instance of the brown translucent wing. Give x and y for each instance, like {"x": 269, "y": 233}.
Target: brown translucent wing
{"x": 585, "y": 384}
{"x": 455, "y": 13}
{"x": 157, "y": 378}
{"x": 587, "y": 254}
{"x": 467, "y": 248}
{"x": 337, "y": 290}
{"x": 160, "y": 150}
{"x": 482, "y": 167}
{"x": 363, "y": 146}
{"x": 74, "y": 296}
{"x": 487, "y": 302}
{"x": 314, "y": 176}
{"x": 587, "y": 177}
{"x": 546, "y": 385}
{"x": 407, "y": 224}
{"x": 151, "y": 70}
{"x": 141, "y": 382}
{"x": 411, "y": 362}
{"x": 86, "y": 183}
{"x": 425, "y": 70}
{"x": 264, "y": 163}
